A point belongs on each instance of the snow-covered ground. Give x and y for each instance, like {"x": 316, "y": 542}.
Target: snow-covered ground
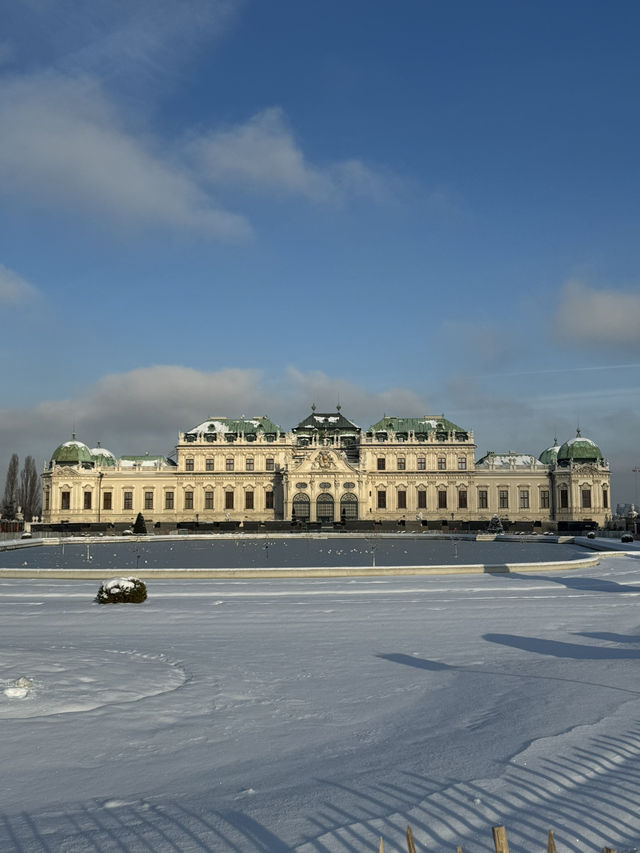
{"x": 317, "y": 715}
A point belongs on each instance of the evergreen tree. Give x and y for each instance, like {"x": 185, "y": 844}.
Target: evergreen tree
{"x": 29, "y": 491}
{"x": 139, "y": 527}
{"x": 9, "y": 506}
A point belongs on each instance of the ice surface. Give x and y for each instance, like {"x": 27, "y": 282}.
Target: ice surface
{"x": 317, "y": 715}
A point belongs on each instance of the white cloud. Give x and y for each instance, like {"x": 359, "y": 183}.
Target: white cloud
{"x": 14, "y": 290}
{"x": 64, "y": 144}
{"x": 601, "y": 317}
{"x": 263, "y": 155}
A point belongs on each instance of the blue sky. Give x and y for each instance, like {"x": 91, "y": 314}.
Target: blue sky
{"x": 219, "y": 207}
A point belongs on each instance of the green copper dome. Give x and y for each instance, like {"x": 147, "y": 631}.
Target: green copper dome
{"x": 579, "y": 449}
{"x": 72, "y": 453}
{"x": 102, "y": 457}
{"x": 550, "y": 455}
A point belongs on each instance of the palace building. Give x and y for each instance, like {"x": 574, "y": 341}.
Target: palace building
{"x": 328, "y": 471}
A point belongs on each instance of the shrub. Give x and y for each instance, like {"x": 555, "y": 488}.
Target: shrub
{"x": 139, "y": 527}
{"x": 122, "y": 591}
{"x": 591, "y": 535}
{"x": 626, "y": 537}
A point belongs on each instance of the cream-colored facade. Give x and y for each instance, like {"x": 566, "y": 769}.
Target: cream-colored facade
{"x": 327, "y": 470}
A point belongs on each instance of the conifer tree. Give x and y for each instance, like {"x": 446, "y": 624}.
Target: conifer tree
{"x": 29, "y": 490}
{"x": 139, "y": 526}
{"x": 9, "y": 506}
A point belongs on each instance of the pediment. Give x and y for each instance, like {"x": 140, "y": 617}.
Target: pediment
{"x": 69, "y": 473}
{"x": 586, "y": 468}
{"x": 325, "y": 460}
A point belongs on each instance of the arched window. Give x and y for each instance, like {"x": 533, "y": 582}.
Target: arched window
{"x": 324, "y": 507}
{"x": 301, "y": 510}
{"x": 348, "y": 507}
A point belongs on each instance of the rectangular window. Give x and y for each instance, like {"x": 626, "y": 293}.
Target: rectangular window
{"x": 209, "y": 464}
{"x": 524, "y": 498}
{"x": 586, "y": 498}
{"x": 402, "y": 499}
{"x": 228, "y": 464}
{"x": 208, "y": 500}
{"x": 483, "y": 499}
{"x": 402, "y": 463}
{"x": 442, "y": 463}
{"x": 564, "y": 499}
{"x": 268, "y": 500}
{"x": 382, "y": 463}
{"x": 107, "y": 499}
{"x": 605, "y": 499}
{"x": 422, "y": 499}
{"x": 65, "y": 500}
{"x": 228, "y": 500}
{"x": 87, "y": 500}
{"x": 248, "y": 463}
{"x": 47, "y": 501}
{"x": 382, "y": 499}
{"x": 127, "y": 500}
{"x": 168, "y": 500}
{"x": 462, "y": 463}
{"x": 248, "y": 500}
{"x": 503, "y": 499}
{"x": 188, "y": 500}
{"x": 442, "y": 499}
{"x": 422, "y": 463}
{"x": 188, "y": 464}
{"x": 148, "y": 500}
{"x": 544, "y": 498}
{"x": 462, "y": 499}
{"x": 271, "y": 464}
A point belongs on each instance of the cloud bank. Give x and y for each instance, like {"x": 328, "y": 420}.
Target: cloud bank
{"x": 606, "y": 317}
{"x": 143, "y": 409}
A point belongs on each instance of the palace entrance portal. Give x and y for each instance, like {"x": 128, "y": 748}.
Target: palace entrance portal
{"x": 324, "y": 508}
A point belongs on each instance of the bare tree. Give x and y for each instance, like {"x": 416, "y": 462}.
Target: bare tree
{"x": 9, "y": 506}
{"x": 29, "y": 492}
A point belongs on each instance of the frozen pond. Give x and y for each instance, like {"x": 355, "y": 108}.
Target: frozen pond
{"x": 257, "y": 716}
{"x": 288, "y": 552}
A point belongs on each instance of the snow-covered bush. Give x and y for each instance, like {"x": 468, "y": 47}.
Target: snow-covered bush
{"x": 122, "y": 591}
{"x": 626, "y": 537}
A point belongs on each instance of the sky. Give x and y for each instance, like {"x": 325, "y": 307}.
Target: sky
{"x": 227, "y": 207}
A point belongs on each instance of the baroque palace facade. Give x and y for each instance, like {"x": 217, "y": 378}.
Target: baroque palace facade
{"x": 327, "y": 470}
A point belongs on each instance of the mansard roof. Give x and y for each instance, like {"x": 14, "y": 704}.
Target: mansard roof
{"x": 332, "y": 421}
{"x": 428, "y": 423}
{"x": 509, "y": 460}
{"x": 237, "y": 425}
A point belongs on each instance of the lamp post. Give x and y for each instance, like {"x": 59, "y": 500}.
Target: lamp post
{"x": 100, "y": 476}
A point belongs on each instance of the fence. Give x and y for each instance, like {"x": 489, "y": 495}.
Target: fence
{"x": 499, "y": 842}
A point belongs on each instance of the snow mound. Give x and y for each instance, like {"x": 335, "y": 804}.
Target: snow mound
{"x": 19, "y": 689}
{"x": 66, "y": 680}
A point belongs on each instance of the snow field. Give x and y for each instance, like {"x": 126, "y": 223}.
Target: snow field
{"x": 316, "y": 715}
